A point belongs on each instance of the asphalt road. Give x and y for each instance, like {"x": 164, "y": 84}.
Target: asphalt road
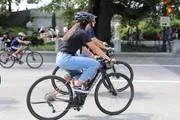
{"x": 156, "y": 84}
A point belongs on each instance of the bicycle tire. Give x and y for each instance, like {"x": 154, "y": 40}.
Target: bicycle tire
{"x": 31, "y": 53}
{"x": 34, "y": 85}
{"x": 125, "y": 107}
{"x": 54, "y": 83}
{"x": 3, "y": 65}
{"x": 131, "y": 75}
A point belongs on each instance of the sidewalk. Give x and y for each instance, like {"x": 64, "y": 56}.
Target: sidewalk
{"x": 126, "y": 54}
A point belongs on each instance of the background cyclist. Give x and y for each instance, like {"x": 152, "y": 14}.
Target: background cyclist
{"x": 16, "y": 44}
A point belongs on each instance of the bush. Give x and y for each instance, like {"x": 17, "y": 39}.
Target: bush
{"x": 150, "y": 36}
{"x": 127, "y": 47}
{"x": 175, "y": 23}
{"x": 35, "y": 41}
{"x": 13, "y": 32}
{"x": 123, "y": 33}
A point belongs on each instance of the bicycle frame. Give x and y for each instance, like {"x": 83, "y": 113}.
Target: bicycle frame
{"x": 24, "y": 51}
{"x": 90, "y": 85}
{"x": 96, "y": 78}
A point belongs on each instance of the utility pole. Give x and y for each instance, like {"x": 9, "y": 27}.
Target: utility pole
{"x": 167, "y": 11}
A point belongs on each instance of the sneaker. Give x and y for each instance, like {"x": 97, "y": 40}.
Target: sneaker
{"x": 80, "y": 89}
{"x": 21, "y": 62}
{"x": 80, "y": 97}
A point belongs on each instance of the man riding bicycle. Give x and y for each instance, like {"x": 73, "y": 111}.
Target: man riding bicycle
{"x": 92, "y": 36}
{"x": 16, "y": 44}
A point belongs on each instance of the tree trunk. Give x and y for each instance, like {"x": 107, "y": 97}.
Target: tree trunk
{"x": 107, "y": 10}
{"x": 94, "y": 7}
{"x": 9, "y": 5}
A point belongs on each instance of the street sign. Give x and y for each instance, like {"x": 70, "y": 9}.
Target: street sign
{"x": 165, "y": 21}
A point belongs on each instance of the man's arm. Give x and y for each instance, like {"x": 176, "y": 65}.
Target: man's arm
{"x": 87, "y": 52}
{"x": 99, "y": 43}
{"x": 24, "y": 42}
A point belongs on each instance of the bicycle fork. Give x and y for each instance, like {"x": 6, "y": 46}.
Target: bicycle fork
{"x": 111, "y": 87}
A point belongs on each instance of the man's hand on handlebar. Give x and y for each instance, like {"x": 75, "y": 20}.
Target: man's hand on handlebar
{"x": 27, "y": 42}
{"x": 109, "y": 48}
{"x": 100, "y": 58}
{"x": 113, "y": 60}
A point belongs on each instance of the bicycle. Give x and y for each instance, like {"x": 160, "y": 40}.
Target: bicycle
{"x": 7, "y": 60}
{"x": 115, "y": 68}
{"x": 53, "y": 97}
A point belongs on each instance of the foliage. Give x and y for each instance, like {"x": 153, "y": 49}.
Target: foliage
{"x": 35, "y": 41}
{"x": 12, "y": 31}
{"x": 175, "y": 23}
{"x": 134, "y": 48}
{"x": 5, "y": 3}
{"x": 67, "y": 8}
{"x": 150, "y": 28}
{"x": 123, "y": 33}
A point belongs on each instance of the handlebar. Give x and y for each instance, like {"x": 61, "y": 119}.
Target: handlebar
{"x": 105, "y": 64}
{"x": 110, "y": 52}
{"x": 29, "y": 43}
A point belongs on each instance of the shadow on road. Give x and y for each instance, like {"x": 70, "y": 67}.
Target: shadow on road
{"x": 7, "y": 104}
{"x": 141, "y": 95}
{"x": 130, "y": 116}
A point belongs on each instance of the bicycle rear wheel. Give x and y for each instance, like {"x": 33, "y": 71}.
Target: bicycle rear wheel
{"x": 46, "y": 103}
{"x": 6, "y": 60}
{"x": 116, "y": 103}
{"x": 55, "y": 82}
{"x": 34, "y": 60}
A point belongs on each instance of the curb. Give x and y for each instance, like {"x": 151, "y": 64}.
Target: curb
{"x": 143, "y": 54}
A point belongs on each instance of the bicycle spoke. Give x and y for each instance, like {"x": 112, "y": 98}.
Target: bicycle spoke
{"x": 44, "y": 102}
{"x": 6, "y": 60}
{"x": 34, "y": 59}
{"x": 118, "y": 102}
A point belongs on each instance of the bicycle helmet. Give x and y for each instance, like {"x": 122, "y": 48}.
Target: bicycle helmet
{"x": 84, "y": 16}
{"x": 22, "y": 34}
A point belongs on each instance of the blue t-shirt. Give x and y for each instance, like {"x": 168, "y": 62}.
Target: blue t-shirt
{"x": 15, "y": 42}
{"x": 90, "y": 32}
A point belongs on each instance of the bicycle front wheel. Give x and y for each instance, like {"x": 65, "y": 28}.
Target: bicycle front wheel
{"x": 124, "y": 68}
{"x": 34, "y": 60}
{"x": 46, "y": 103}
{"x": 117, "y": 103}
{"x": 6, "y": 60}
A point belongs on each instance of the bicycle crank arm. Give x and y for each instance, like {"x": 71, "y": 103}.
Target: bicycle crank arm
{"x": 39, "y": 102}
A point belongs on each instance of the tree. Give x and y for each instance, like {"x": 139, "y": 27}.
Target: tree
{"x": 4, "y": 3}
{"x": 128, "y": 9}
{"x": 53, "y": 20}
{"x": 67, "y": 8}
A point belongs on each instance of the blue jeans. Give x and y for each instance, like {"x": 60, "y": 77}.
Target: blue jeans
{"x": 77, "y": 63}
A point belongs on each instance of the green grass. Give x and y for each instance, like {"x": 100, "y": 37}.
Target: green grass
{"x": 43, "y": 48}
